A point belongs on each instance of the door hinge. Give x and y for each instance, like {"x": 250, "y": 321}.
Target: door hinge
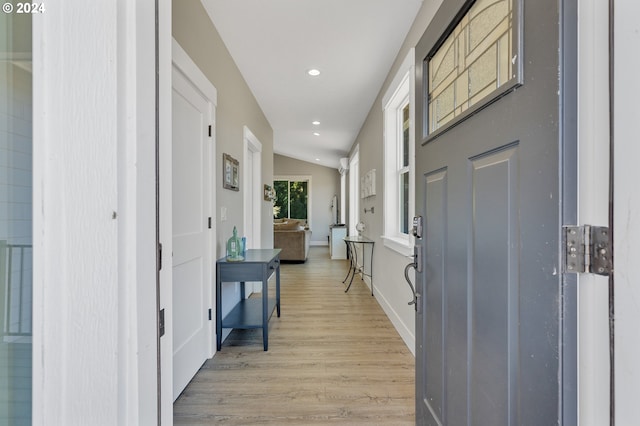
{"x": 209, "y": 222}
{"x": 159, "y": 256}
{"x": 209, "y": 130}
{"x": 161, "y": 322}
{"x": 209, "y": 314}
{"x": 587, "y": 249}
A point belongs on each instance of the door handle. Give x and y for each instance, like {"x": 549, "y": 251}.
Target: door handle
{"x": 417, "y": 265}
{"x": 414, "y": 301}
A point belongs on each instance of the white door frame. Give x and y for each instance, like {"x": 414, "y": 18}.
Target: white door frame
{"x": 165, "y": 215}
{"x": 343, "y": 196}
{"x": 593, "y": 209}
{"x": 252, "y": 149}
{"x": 594, "y": 140}
{"x": 354, "y": 190}
{"x": 253, "y": 219}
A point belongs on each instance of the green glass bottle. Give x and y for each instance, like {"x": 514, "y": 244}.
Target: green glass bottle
{"x": 234, "y": 247}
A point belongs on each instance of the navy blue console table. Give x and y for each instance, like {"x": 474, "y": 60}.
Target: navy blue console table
{"x": 258, "y": 265}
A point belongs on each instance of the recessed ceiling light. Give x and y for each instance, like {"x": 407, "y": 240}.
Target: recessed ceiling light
{"x": 317, "y": 159}
{"x": 313, "y": 72}
{"x": 316, "y": 123}
{"x": 316, "y": 134}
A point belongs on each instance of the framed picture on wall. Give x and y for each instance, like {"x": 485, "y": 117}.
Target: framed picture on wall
{"x": 230, "y": 173}
{"x": 269, "y": 193}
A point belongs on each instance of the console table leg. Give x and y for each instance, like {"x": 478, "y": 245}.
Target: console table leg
{"x": 265, "y": 314}
{"x": 218, "y": 308}
{"x": 354, "y": 265}
{"x": 350, "y": 261}
{"x": 278, "y": 289}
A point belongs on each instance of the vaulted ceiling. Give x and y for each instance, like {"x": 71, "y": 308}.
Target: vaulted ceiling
{"x": 353, "y": 44}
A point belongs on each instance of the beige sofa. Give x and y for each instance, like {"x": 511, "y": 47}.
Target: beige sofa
{"x": 293, "y": 237}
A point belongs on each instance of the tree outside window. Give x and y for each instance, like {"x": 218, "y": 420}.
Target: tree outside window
{"x": 291, "y": 200}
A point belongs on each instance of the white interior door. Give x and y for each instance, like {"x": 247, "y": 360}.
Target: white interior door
{"x": 191, "y": 200}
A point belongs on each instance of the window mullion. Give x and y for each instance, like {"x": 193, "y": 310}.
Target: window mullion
{"x": 289, "y": 198}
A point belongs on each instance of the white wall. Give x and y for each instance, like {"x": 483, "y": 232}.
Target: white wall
{"x": 392, "y": 292}
{"x": 237, "y": 108}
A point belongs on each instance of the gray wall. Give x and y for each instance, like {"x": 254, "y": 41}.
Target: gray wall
{"x": 325, "y": 183}
{"x": 392, "y": 291}
{"x": 237, "y": 107}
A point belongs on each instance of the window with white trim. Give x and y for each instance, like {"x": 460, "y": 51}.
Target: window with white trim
{"x": 292, "y": 197}
{"x": 399, "y": 193}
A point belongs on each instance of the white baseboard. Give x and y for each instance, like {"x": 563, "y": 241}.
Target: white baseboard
{"x": 407, "y": 335}
{"x": 319, "y": 243}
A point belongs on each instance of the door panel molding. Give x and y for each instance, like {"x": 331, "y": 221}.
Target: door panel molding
{"x": 493, "y": 286}
{"x": 435, "y": 295}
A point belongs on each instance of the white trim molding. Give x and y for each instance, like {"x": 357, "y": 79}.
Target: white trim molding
{"x": 354, "y": 190}
{"x": 400, "y": 92}
{"x": 185, "y": 64}
{"x": 593, "y": 208}
{"x": 252, "y": 146}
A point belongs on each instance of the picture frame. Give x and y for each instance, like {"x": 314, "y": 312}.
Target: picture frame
{"x": 230, "y": 173}
{"x": 269, "y": 193}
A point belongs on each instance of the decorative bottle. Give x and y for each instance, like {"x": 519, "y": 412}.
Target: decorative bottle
{"x": 234, "y": 247}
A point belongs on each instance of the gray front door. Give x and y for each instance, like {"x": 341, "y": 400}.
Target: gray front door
{"x": 491, "y": 342}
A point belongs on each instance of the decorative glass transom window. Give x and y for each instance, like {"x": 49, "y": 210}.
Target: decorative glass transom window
{"x": 476, "y": 63}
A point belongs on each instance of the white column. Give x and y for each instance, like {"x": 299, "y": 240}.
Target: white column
{"x": 94, "y": 213}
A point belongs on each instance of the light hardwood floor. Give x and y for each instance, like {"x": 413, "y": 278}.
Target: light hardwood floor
{"x": 333, "y": 357}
